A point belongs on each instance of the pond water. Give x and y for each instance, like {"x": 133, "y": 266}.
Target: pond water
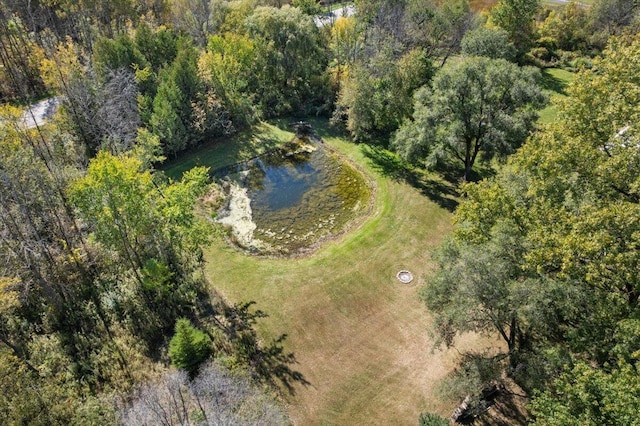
{"x": 296, "y": 200}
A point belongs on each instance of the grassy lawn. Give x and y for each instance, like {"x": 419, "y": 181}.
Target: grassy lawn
{"x": 221, "y": 152}
{"x": 360, "y": 336}
{"x": 554, "y": 82}
{"x": 340, "y": 5}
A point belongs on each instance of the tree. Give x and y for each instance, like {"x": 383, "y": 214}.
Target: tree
{"x": 375, "y": 97}
{"x": 228, "y": 68}
{"x": 517, "y": 18}
{"x": 478, "y": 105}
{"x": 189, "y": 347}
{"x": 192, "y": 17}
{"x": 589, "y": 396}
{"x": 112, "y": 54}
{"x": 612, "y": 16}
{"x": 20, "y": 79}
{"x": 549, "y": 248}
{"x": 214, "y": 396}
{"x": 345, "y": 43}
{"x": 151, "y": 235}
{"x": 291, "y": 60}
{"x": 567, "y": 28}
{"x": 490, "y": 42}
{"x": 173, "y": 118}
{"x": 309, "y": 7}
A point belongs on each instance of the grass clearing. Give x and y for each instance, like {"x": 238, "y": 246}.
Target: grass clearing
{"x": 360, "y": 336}
{"x": 554, "y": 82}
{"x": 222, "y": 152}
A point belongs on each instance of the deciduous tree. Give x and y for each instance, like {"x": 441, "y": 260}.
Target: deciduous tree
{"x": 292, "y": 60}
{"x": 517, "y": 18}
{"x": 476, "y": 106}
{"x": 490, "y": 42}
{"x": 549, "y": 248}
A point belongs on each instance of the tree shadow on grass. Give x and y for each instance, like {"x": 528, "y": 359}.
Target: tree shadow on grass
{"x": 509, "y": 409}
{"x": 441, "y": 191}
{"x": 553, "y": 83}
{"x": 269, "y": 363}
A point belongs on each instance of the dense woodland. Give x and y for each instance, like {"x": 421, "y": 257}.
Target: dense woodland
{"x": 102, "y": 284}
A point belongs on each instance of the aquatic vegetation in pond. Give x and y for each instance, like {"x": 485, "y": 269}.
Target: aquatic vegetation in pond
{"x": 293, "y": 200}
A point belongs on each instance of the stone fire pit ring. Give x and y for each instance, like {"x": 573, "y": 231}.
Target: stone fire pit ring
{"x": 404, "y": 276}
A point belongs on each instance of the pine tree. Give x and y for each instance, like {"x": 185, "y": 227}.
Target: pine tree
{"x": 189, "y": 347}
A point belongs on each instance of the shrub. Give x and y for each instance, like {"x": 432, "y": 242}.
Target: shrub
{"x": 189, "y": 347}
{"x": 429, "y": 419}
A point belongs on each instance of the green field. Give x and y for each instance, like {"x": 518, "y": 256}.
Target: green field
{"x": 554, "y": 83}
{"x": 221, "y": 152}
{"x": 360, "y": 336}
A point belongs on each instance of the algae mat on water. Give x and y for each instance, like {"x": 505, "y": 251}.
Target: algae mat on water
{"x": 360, "y": 337}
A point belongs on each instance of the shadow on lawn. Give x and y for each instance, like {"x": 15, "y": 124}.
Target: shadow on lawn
{"x": 553, "y": 83}
{"x": 224, "y": 151}
{"x": 270, "y": 363}
{"x": 508, "y": 410}
{"x": 388, "y": 164}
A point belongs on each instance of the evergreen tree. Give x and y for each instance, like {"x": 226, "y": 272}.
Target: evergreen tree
{"x": 189, "y": 347}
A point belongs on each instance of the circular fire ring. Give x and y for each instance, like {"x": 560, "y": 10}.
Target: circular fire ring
{"x": 405, "y": 277}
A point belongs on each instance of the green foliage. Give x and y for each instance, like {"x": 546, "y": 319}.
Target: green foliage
{"x": 589, "y": 396}
{"x": 291, "y": 61}
{"x": 166, "y": 121}
{"x": 429, "y": 419}
{"x": 475, "y": 106}
{"x": 228, "y": 67}
{"x": 490, "y": 42}
{"x": 567, "y": 28}
{"x": 612, "y": 16}
{"x": 159, "y": 46}
{"x": 152, "y": 232}
{"x": 173, "y": 118}
{"x": 309, "y": 7}
{"x": 517, "y": 18}
{"x": 121, "y": 52}
{"x": 189, "y": 347}
{"x": 548, "y": 248}
{"x": 375, "y": 98}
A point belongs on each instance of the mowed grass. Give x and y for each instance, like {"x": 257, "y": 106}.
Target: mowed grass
{"x": 360, "y": 337}
{"x": 223, "y": 152}
{"x": 554, "y": 82}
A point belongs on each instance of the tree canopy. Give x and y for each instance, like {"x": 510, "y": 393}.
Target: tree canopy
{"x": 101, "y": 255}
{"x": 478, "y": 106}
{"x": 545, "y": 254}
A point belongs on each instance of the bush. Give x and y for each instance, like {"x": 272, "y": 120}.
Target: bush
{"x": 189, "y": 347}
{"x": 429, "y": 419}
{"x": 490, "y": 42}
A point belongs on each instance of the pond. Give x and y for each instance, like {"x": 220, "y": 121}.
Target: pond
{"x": 288, "y": 202}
